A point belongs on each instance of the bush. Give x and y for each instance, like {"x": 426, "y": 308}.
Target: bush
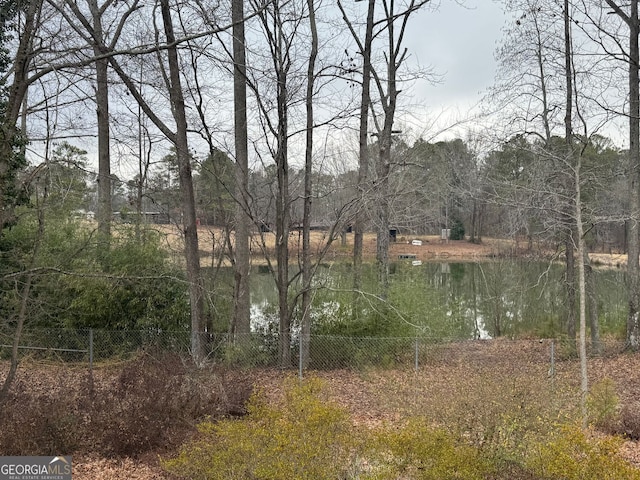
{"x": 305, "y": 437}
{"x": 149, "y": 404}
{"x": 32, "y": 425}
{"x": 154, "y": 402}
{"x": 629, "y": 424}
{"x": 571, "y": 454}
{"x": 603, "y": 406}
{"x": 419, "y": 451}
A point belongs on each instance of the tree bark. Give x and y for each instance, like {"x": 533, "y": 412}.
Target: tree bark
{"x": 633, "y": 239}
{"x": 569, "y": 242}
{"x": 307, "y": 273}
{"x": 592, "y": 304}
{"x": 282, "y": 228}
{"x": 363, "y": 158}
{"x": 389, "y": 101}
{"x": 186, "y": 190}
{"x": 104, "y": 157}
{"x": 241, "y": 322}
{"x": 584, "y": 379}
{"x": 571, "y": 159}
{"x": 633, "y": 266}
{"x": 382, "y": 212}
{"x": 282, "y": 195}
{"x": 10, "y": 162}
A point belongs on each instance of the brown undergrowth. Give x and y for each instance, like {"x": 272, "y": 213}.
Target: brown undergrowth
{"x": 146, "y": 405}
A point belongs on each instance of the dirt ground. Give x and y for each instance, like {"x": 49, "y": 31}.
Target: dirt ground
{"x": 212, "y": 242}
{"x": 432, "y": 248}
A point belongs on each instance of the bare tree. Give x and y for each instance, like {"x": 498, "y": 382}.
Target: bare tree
{"x": 179, "y": 140}
{"x": 628, "y": 13}
{"x": 279, "y": 23}
{"x": 11, "y": 160}
{"x": 532, "y": 59}
{"x": 242, "y": 304}
{"x": 576, "y": 160}
{"x": 386, "y": 82}
{"x": 307, "y": 274}
{"x": 91, "y": 29}
{"x": 363, "y": 151}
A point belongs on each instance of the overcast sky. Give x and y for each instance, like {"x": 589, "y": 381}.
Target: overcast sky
{"x": 458, "y": 43}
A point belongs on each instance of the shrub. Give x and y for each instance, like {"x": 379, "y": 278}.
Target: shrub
{"x": 32, "y": 425}
{"x": 154, "y": 402}
{"x": 571, "y": 454}
{"x": 305, "y": 437}
{"x": 419, "y": 451}
{"x": 603, "y": 406}
{"x": 148, "y": 404}
{"x": 629, "y": 424}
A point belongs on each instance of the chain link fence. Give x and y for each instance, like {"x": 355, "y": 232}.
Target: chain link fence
{"x": 316, "y": 352}
{"x": 495, "y": 390}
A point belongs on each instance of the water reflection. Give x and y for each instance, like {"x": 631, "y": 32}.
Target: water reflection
{"x": 452, "y": 300}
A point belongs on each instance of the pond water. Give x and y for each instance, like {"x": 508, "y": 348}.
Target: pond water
{"x": 447, "y": 300}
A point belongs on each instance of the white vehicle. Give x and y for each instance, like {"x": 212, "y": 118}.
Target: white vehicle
{"x": 416, "y": 242}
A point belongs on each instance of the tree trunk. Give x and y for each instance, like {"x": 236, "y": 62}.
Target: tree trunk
{"x": 570, "y": 284}
{"x": 10, "y": 162}
{"x": 241, "y": 322}
{"x": 389, "y": 101}
{"x": 282, "y": 208}
{"x": 633, "y": 267}
{"x": 308, "y": 191}
{"x": 472, "y": 237}
{"x": 186, "y": 190}
{"x": 104, "y": 158}
{"x": 363, "y": 156}
{"x": 569, "y": 243}
{"x": 584, "y": 379}
{"x": 572, "y": 158}
{"x": 592, "y": 303}
{"x": 282, "y": 256}
{"x": 382, "y": 214}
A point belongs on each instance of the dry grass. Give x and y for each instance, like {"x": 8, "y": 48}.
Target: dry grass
{"x": 212, "y": 245}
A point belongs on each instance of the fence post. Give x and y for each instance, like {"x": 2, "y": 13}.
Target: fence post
{"x": 300, "y": 355}
{"x": 417, "y": 351}
{"x": 91, "y": 359}
{"x": 552, "y": 368}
